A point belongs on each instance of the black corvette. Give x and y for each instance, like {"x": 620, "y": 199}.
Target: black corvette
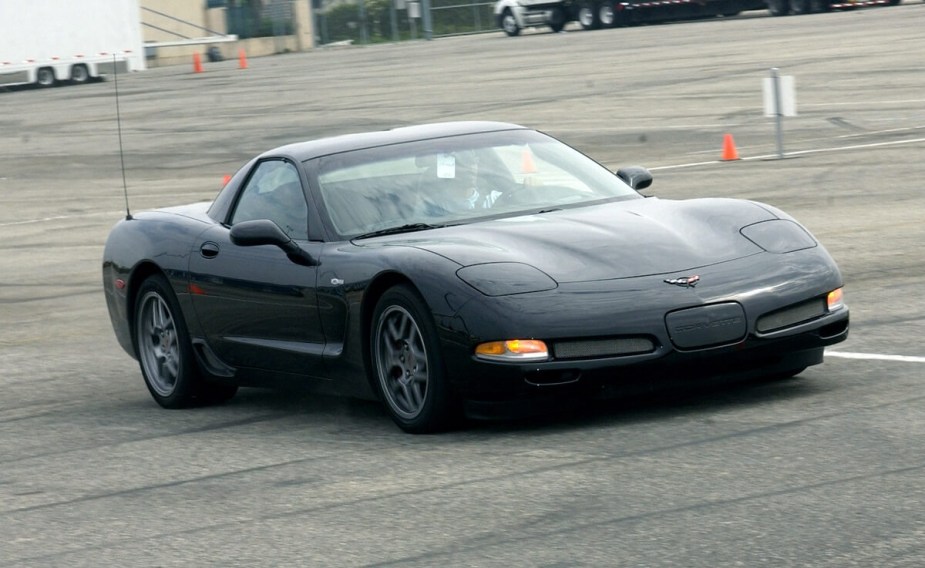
{"x": 460, "y": 267}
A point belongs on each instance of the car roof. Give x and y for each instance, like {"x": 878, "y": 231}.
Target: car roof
{"x": 348, "y": 142}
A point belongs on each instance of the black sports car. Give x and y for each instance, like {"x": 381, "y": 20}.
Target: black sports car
{"x": 460, "y": 267}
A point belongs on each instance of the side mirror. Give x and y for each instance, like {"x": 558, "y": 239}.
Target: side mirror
{"x": 265, "y": 232}
{"x": 636, "y": 177}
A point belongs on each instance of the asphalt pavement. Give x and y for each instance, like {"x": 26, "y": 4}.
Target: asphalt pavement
{"x": 824, "y": 470}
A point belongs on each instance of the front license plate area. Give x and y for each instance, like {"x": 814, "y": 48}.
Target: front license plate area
{"x": 707, "y": 326}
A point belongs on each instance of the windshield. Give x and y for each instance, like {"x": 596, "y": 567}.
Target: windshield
{"x": 458, "y": 179}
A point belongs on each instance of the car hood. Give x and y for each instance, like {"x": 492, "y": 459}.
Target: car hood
{"x": 614, "y": 240}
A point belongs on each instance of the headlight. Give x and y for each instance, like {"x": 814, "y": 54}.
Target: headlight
{"x": 778, "y": 236}
{"x": 505, "y": 278}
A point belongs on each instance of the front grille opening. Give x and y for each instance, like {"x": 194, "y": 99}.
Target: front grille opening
{"x": 791, "y": 315}
{"x": 606, "y": 347}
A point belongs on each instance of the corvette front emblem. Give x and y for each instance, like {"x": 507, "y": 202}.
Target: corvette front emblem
{"x": 684, "y": 281}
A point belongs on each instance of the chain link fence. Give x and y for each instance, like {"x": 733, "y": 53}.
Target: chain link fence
{"x": 359, "y": 21}
{"x": 370, "y": 21}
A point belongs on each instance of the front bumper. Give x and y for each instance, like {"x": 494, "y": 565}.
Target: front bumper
{"x": 780, "y": 324}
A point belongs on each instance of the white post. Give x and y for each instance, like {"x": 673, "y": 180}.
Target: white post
{"x": 775, "y": 80}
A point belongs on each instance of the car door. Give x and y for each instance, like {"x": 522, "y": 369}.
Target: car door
{"x": 256, "y": 307}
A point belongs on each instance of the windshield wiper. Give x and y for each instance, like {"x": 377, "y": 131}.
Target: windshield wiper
{"x": 409, "y": 228}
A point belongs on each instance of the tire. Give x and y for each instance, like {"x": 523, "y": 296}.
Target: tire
{"x": 557, "y": 20}
{"x": 165, "y": 353}
{"x": 800, "y": 7}
{"x": 821, "y": 6}
{"x": 407, "y": 364}
{"x": 79, "y": 74}
{"x": 45, "y": 77}
{"x": 588, "y": 16}
{"x": 509, "y": 23}
{"x": 779, "y": 7}
{"x": 606, "y": 15}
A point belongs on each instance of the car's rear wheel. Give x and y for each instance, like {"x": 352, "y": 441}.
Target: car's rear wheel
{"x": 408, "y": 365}
{"x": 165, "y": 353}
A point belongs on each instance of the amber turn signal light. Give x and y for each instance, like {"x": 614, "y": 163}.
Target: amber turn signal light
{"x": 513, "y": 350}
{"x": 835, "y": 300}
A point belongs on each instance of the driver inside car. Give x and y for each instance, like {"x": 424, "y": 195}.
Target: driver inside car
{"x": 451, "y": 185}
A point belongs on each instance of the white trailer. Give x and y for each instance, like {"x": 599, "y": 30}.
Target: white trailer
{"x": 51, "y": 42}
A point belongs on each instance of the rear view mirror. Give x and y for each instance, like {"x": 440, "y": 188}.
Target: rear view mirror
{"x": 265, "y": 232}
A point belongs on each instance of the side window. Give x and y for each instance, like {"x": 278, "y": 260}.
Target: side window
{"x": 274, "y": 192}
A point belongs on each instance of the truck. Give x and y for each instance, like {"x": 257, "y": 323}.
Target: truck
{"x": 512, "y": 16}
{"x": 55, "y": 42}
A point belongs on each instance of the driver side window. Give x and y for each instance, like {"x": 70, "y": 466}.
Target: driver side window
{"x": 274, "y": 192}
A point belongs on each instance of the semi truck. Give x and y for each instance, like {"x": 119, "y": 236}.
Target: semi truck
{"x": 512, "y": 16}
{"x": 55, "y": 42}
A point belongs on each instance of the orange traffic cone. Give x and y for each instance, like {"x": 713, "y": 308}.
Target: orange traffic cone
{"x": 729, "y": 149}
{"x": 527, "y": 166}
{"x": 242, "y": 59}
{"x": 197, "y": 63}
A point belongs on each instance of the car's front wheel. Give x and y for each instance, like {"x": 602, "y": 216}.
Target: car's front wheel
{"x": 165, "y": 353}
{"x": 407, "y": 363}
{"x": 509, "y": 23}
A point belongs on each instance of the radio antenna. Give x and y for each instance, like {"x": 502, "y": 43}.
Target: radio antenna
{"x": 115, "y": 75}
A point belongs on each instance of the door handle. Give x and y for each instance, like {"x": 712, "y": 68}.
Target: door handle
{"x": 209, "y": 249}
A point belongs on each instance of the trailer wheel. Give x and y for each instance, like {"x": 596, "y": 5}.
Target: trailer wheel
{"x": 79, "y": 74}
{"x": 779, "y": 7}
{"x": 509, "y": 23}
{"x": 45, "y": 77}
{"x": 607, "y": 15}
{"x": 588, "y": 16}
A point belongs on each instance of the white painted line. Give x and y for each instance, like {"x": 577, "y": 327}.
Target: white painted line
{"x": 875, "y": 357}
{"x": 840, "y": 148}
{"x": 797, "y": 153}
{"x": 690, "y": 165}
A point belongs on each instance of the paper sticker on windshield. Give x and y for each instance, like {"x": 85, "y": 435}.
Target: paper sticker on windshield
{"x": 446, "y": 166}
